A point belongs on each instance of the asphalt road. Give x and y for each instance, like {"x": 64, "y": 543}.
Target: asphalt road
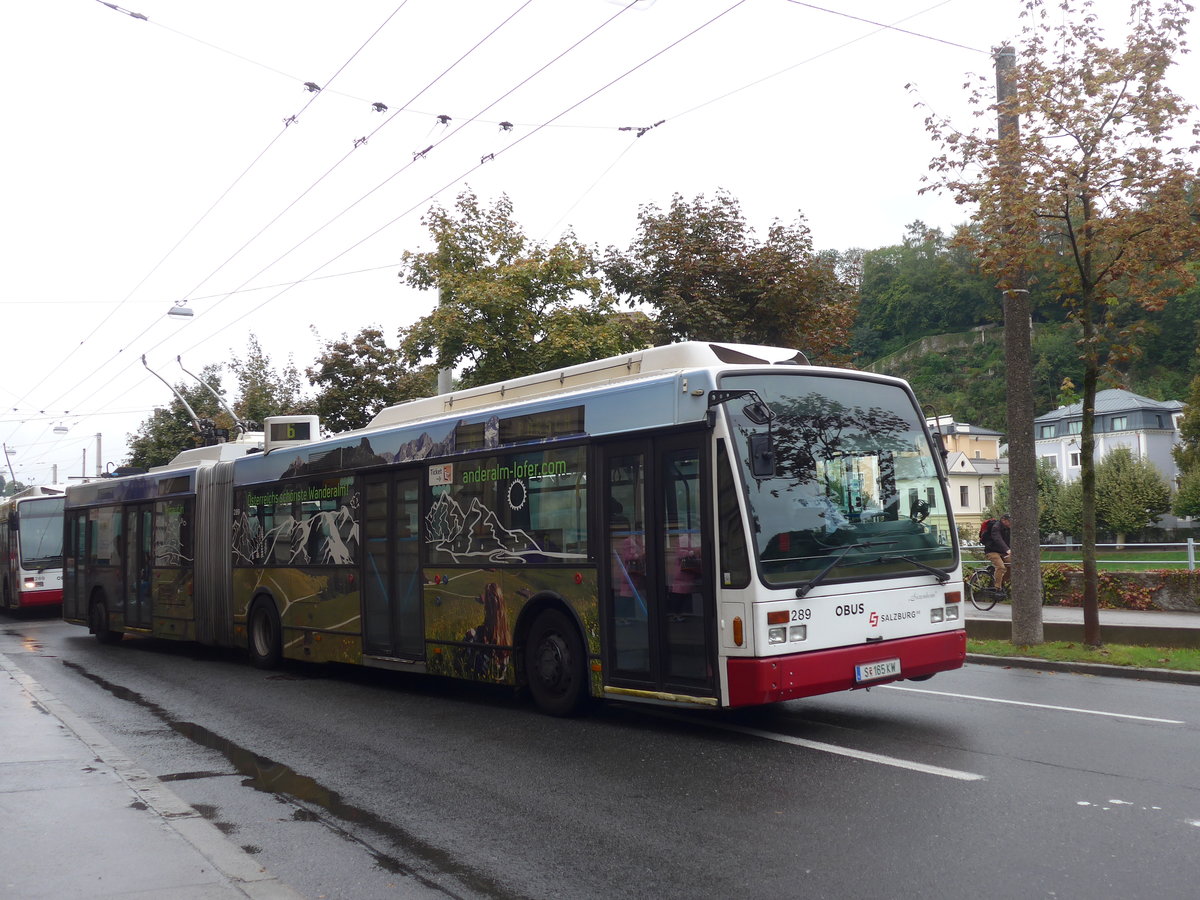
{"x": 346, "y": 783}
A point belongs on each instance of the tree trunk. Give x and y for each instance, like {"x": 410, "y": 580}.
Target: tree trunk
{"x": 1087, "y": 478}
{"x": 1022, "y": 471}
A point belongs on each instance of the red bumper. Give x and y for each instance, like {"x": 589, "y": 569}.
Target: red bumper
{"x": 29, "y": 599}
{"x": 757, "y": 681}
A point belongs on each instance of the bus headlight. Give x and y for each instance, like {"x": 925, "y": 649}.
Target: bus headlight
{"x": 936, "y": 615}
{"x": 951, "y": 613}
{"x": 776, "y": 635}
{"x": 798, "y": 633}
{"x": 30, "y": 584}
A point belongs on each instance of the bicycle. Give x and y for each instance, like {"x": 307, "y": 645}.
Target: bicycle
{"x": 980, "y": 588}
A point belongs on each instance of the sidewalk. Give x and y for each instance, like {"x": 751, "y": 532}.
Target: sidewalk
{"x": 80, "y": 820}
{"x": 1150, "y": 628}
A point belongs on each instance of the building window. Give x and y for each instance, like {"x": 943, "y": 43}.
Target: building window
{"x": 1074, "y": 460}
{"x": 1119, "y": 423}
{"x": 987, "y": 495}
{"x": 1051, "y": 460}
{"x": 930, "y": 498}
{"x": 964, "y": 496}
{"x": 1075, "y": 427}
{"x": 1047, "y": 431}
{"x": 978, "y": 454}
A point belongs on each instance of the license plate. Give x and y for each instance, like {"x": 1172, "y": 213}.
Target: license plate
{"x": 872, "y": 671}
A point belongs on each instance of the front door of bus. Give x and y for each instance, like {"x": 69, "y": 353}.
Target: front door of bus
{"x": 139, "y": 537}
{"x": 659, "y": 605}
{"x": 392, "y": 618}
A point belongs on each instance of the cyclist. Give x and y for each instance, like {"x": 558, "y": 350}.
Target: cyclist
{"x": 997, "y": 550}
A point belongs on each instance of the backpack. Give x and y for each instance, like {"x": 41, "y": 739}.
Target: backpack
{"x": 984, "y": 527}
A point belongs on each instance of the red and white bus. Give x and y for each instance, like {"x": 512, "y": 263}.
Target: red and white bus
{"x": 31, "y": 551}
{"x": 700, "y": 524}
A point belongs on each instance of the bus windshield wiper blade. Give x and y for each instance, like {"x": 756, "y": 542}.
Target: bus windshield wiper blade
{"x": 833, "y": 563}
{"x": 941, "y": 576}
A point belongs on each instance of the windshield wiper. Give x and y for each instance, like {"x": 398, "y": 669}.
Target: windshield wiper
{"x": 941, "y": 576}
{"x": 833, "y": 563}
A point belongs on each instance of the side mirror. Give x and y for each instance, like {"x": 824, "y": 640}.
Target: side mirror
{"x": 762, "y": 456}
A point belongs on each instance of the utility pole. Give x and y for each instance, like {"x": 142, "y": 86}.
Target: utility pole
{"x": 99, "y": 464}
{"x": 1018, "y": 381}
{"x": 445, "y": 374}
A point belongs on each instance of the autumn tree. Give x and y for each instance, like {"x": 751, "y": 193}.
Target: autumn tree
{"x": 700, "y": 268}
{"x": 510, "y": 306}
{"x": 358, "y": 376}
{"x": 1187, "y": 455}
{"x": 1090, "y": 197}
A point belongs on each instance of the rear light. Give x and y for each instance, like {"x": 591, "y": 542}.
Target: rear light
{"x": 954, "y": 596}
{"x": 738, "y": 635}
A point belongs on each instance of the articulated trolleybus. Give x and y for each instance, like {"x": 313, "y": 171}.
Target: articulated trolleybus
{"x": 31, "y": 556}
{"x": 697, "y": 524}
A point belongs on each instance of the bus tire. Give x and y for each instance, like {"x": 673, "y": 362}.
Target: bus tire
{"x": 265, "y": 635}
{"x": 555, "y": 664}
{"x": 98, "y": 623}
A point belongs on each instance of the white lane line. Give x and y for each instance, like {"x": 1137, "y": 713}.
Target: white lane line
{"x": 1086, "y": 712}
{"x": 856, "y": 754}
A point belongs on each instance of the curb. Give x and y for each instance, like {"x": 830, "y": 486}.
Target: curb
{"x": 1168, "y": 676}
{"x": 238, "y": 867}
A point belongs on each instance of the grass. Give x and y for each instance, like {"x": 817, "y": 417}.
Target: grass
{"x": 1180, "y": 659}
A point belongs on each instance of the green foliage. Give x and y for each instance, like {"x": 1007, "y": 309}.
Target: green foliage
{"x": 1049, "y": 491}
{"x": 1130, "y": 492}
{"x": 170, "y": 429}
{"x": 699, "y": 266}
{"x": 262, "y": 391}
{"x": 358, "y": 376}
{"x": 1187, "y": 499}
{"x": 1187, "y": 452}
{"x": 925, "y": 285}
{"x": 509, "y": 306}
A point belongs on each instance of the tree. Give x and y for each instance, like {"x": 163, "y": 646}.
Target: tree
{"x": 700, "y": 268}
{"x": 1130, "y": 493}
{"x": 1187, "y": 499}
{"x": 1187, "y": 451}
{"x": 1091, "y": 197}
{"x": 510, "y": 306}
{"x": 359, "y": 376}
{"x": 170, "y": 429}
{"x": 262, "y": 391}
{"x": 1049, "y": 493}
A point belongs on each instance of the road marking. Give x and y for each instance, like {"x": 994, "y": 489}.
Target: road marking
{"x": 1086, "y": 712}
{"x": 856, "y": 754}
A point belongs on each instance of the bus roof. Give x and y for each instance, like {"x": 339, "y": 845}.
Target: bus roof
{"x": 640, "y": 363}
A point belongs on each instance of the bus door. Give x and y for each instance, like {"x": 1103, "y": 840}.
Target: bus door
{"x": 658, "y": 606}
{"x": 139, "y": 542}
{"x": 393, "y": 624}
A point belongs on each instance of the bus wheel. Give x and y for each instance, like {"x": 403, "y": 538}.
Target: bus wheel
{"x": 99, "y": 624}
{"x": 266, "y": 642}
{"x": 555, "y": 664}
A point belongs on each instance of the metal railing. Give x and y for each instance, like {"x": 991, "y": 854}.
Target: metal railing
{"x": 1189, "y": 545}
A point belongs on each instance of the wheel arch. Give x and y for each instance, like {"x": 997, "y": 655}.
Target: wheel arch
{"x": 533, "y": 608}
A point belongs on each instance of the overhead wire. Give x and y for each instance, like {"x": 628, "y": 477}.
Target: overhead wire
{"x": 217, "y": 202}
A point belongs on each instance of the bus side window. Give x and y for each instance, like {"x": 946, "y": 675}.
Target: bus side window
{"x": 735, "y": 556}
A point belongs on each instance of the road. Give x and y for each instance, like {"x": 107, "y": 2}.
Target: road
{"x": 350, "y": 783}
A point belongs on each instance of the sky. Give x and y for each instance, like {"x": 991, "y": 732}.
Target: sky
{"x": 180, "y": 160}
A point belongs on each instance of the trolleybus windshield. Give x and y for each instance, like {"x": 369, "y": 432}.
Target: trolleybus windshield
{"x": 41, "y": 524}
{"x": 855, "y": 482}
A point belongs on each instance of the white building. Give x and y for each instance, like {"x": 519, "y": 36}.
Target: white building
{"x": 1149, "y": 428}
{"x": 975, "y": 467}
